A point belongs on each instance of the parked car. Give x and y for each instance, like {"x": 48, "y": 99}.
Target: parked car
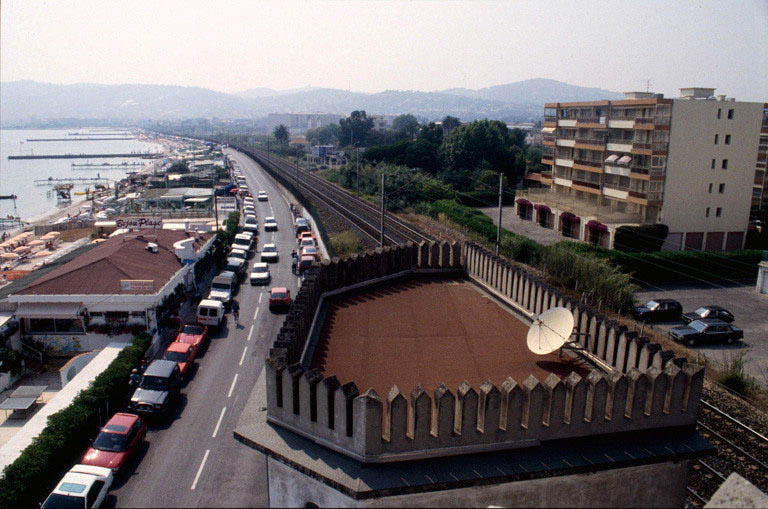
{"x": 269, "y": 253}
{"x": 83, "y": 486}
{"x": 710, "y": 330}
{"x": 223, "y": 286}
{"x": 158, "y": 389}
{"x": 709, "y": 312}
{"x": 270, "y": 224}
{"x": 260, "y": 274}
{"x": 306, "y": 235}
{"x": 307, "y": 242}
{"x": 301, "y": 226}
{"x": 182, "y": 354}
{"x": 304, "y": 263}
{"x": 658, "y": 310}
{"x": 279, "y": 298}
{"x": 210, "y": 312}
{"x": 311, "y": 251}
{"x": 251, "y": 224}
{"x": 263, "y": 196}
{"x": 249, "y": 210}
{"x": 244, "y": 239}
{"x": 238, "y": 266}
{"x": 119, "y": 440}
{"x": 238, "y": 253}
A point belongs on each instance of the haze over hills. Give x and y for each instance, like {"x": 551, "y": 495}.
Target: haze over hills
{"x": 25, "y": 102}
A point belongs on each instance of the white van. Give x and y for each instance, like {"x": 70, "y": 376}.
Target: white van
{"x": 210, "y": 312}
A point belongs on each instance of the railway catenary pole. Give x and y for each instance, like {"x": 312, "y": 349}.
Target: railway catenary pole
{"x": 498, "y": 229}
{"x": 383, "y": 200}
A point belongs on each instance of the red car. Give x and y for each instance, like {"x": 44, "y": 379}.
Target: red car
{"x": 279, "y": 298}
{"x": 118, "y": 441}
{"x": 192, "y": 334}
{"x": 310, "y": 251}
{"x": 182, "y": 354}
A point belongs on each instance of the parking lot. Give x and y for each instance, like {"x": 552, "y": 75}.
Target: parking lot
{"x": 750, "y": 310}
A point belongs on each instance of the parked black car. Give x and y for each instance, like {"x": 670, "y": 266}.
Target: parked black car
{"x": 709, "y": 330}
{"x": 709, "y": 312}
{"x": 658, "y": 310}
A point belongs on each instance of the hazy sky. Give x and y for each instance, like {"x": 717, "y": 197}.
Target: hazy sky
{"x": 372, "y": 46}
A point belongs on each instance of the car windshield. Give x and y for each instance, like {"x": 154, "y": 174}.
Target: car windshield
{"x": 220, "y": 286}
{"x": 702, "y": 312}
{"x": 192, "y": 329}
{"x": 154, "y": 383}
{"x": 250, "y": 220}
{"x": 698, "y": 326}
{"x": 63, "y": 502}
{"x": 175, "y": 356}
{"x": 652, "y": 305}
{"x": 269, "y": 249}
{"x": 112, "y": 442}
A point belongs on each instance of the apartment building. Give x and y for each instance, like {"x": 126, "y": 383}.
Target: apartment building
{"x": 696, "y": 164}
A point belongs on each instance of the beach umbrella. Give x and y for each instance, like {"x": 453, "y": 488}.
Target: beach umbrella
{"x": 53, "y": 234}
{"x": 97, "y": 241}
{"x": 7, "y": 243}
{"x": 26, "y": 235}
{"x": 17, "y": 238}
{"x": 42, "y": 254}
{"x": 35, "y": 243}
{"x": 21, "y": 249}
{"x": 9, "y": 256}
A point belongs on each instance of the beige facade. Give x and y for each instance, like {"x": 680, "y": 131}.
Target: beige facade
{"x": 648, "y": 160}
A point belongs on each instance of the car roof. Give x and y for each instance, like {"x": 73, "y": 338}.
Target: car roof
{"x": 261, "y": 265}
{"x": 226, "y": 273}
{"x": 121, "y": 419}
{"x": 267, "y": 245}
{"x": 161, "y": 367}
{"x": 714, "y": 307}
{"x": 712, "y": 321}
{"x": 231, "y": 260}
{"x": 308, "y": 248}
{"x": 178, "y": 346}
{"x": 211, "y": 303}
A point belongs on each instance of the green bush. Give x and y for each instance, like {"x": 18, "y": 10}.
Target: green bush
{"x": 26, "y": 481}
{"x": 346, "y": 243}
{"x": 734, "y": 377}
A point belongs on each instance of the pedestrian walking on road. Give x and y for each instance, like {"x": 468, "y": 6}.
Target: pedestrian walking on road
{"x": 236, "y": 311}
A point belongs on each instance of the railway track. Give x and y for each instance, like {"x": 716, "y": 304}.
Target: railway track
{"x": 365, "y": 216}
{"x": 739, "y": 448}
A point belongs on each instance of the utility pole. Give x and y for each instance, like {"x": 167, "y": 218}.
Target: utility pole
{"x": 215, "y": 204}
{"x": 357, "y": 170}
{"x": 383, "y": 200}
{"x": 297, "y": 171}
{"x": 498, "y": 229}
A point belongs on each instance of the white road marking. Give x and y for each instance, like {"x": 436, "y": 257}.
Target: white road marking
{"x": 221, "y": 417}
{"x": 254, "y": 319}
{"x": 232, "y": 388}
{"x": 298, "y": 281}
{"x": 200, "y": 470}
{"x": 250, "y": 333}
{"x": 242, "y": 357}
{"x": 260, "y": 296}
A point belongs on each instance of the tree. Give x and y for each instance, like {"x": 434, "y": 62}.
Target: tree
{"x": 179, "y": 167}
{"x": 324, "y": 135}
{"x": 406, "y": 126}
{"x": 449, "y": 124}
{"x": 281, "y": 134}
{"x": 355, "y": 129}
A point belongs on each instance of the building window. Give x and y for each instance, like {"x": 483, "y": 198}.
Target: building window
{"x": 719, "y": 211}
{"x": 719, "y": 112}
{"x": 721, "y": 188}
{"x": 725, "y": 164}
{"x": 727, "y": 139}
{"x": 730, "y": 114}
{"x": 706, "y": 214}
{"x": 713, "y": 164}
{"x": 710, "y": 188}
{"x": 716, "y": 137}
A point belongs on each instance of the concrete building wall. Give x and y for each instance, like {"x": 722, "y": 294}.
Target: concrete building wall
{"x": 656, "y": 485}
{"x": 689, "y": 166}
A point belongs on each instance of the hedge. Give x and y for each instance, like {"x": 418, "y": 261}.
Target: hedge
{"x": 41, "y": 465}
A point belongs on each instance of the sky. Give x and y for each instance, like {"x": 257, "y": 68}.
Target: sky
{"x": 371, "y": 46}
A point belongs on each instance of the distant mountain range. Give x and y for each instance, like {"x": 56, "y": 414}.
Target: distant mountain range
{"x": 27, "y": 102}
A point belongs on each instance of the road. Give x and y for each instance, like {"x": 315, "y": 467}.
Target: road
{"x": 194, "y": 461}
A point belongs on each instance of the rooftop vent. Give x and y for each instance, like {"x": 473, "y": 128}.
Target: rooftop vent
{"x": 152, "y": 247}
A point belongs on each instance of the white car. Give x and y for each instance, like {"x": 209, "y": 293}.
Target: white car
{"x": 260, "y": 274}
{"x": 251, "y": 225}
{"x": 249, "y": 210}
{"x": 82, "y": 486}
{"x": 270, "y": 224}
{"x": 263, "y": 196}
{"x": 248, "y": 200}
{"x": 269, "y": 253}
{"x": 238, "y": 253}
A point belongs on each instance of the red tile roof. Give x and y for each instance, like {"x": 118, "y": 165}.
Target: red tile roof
{"x": 100, "y": 270}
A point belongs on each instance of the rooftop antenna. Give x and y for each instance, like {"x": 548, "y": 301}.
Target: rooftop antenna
{"x": 648, "y": 85}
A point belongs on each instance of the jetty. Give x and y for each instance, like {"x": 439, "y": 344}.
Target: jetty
{"x": 50, "y": 181}
{"x": 79, "y": 139}
{"x": 142, "y": 155}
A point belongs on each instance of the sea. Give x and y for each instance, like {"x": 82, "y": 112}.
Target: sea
{"x": 18, "y": 176}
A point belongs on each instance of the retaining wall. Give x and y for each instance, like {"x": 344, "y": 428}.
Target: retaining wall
{"x": 648, "y": 388}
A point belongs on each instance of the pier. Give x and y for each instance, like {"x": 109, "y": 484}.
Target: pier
{"x": 78, "y": 139}
{"x": 146, "y": 155}
{"x": 80, "y": 180}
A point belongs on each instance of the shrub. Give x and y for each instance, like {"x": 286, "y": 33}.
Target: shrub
{"x": 734, "y": 377}
{"x": 28, "y": 480}
{"x": 345, "y": 243}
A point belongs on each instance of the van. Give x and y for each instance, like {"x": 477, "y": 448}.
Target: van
{"x": 210, "y": 312}
{"x": 222, "y": 287}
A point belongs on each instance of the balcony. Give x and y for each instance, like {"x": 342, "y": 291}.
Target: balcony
{"x": 568, "y": 163}
{"x": 547, "y": 160}
{"x": 550, "y": 118}
{"x": 588, "y": 165}
{"x": 620, "y": 145}
{"x": 616, "y": 191}
{"x": 581, "y": 207}
{"x": 566, "y": 142}
{"x": 641, "y": 146}
{"x": 548, "y": 140}
{"x": 651, "y": 122}
{"x": 588, "y": 143}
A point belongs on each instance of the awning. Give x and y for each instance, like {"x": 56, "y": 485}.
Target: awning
{"x": 611, "y": 159}
{"x": 49, "y": 310}
{"x": 597, "y": 226}
{"x": 569, "y": 218}
{"x": 542, "y": 208}
{"x": 201, "y": 199}
{"x": 548, "y": 130}
{"x": 522, "y": 201}
{"x": 624, "y": 160}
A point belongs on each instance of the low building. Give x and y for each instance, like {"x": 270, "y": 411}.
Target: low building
{"x": 111, "y": 290}
{"x": 695, "y": 164}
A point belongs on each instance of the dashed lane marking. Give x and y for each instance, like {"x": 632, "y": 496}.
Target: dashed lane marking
{"x": 242, "y": 357}
{"x": 232, "y": 387}
{"x": 200, "y": 470}
{"x": 255, "y": 314}
{"x": 221, "y": 417}
{"x": 250, "y": 332}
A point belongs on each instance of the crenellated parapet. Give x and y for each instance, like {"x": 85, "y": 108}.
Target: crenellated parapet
{"x": 639, "y": 386}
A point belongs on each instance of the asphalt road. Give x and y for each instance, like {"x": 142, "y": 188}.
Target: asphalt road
{"x": 193, "y": 460}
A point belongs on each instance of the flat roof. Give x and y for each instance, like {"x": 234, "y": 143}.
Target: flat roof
{"x": 428, "y": 331}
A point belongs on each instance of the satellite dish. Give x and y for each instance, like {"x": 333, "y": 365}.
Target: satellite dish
{"x": 550, "y": 330}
